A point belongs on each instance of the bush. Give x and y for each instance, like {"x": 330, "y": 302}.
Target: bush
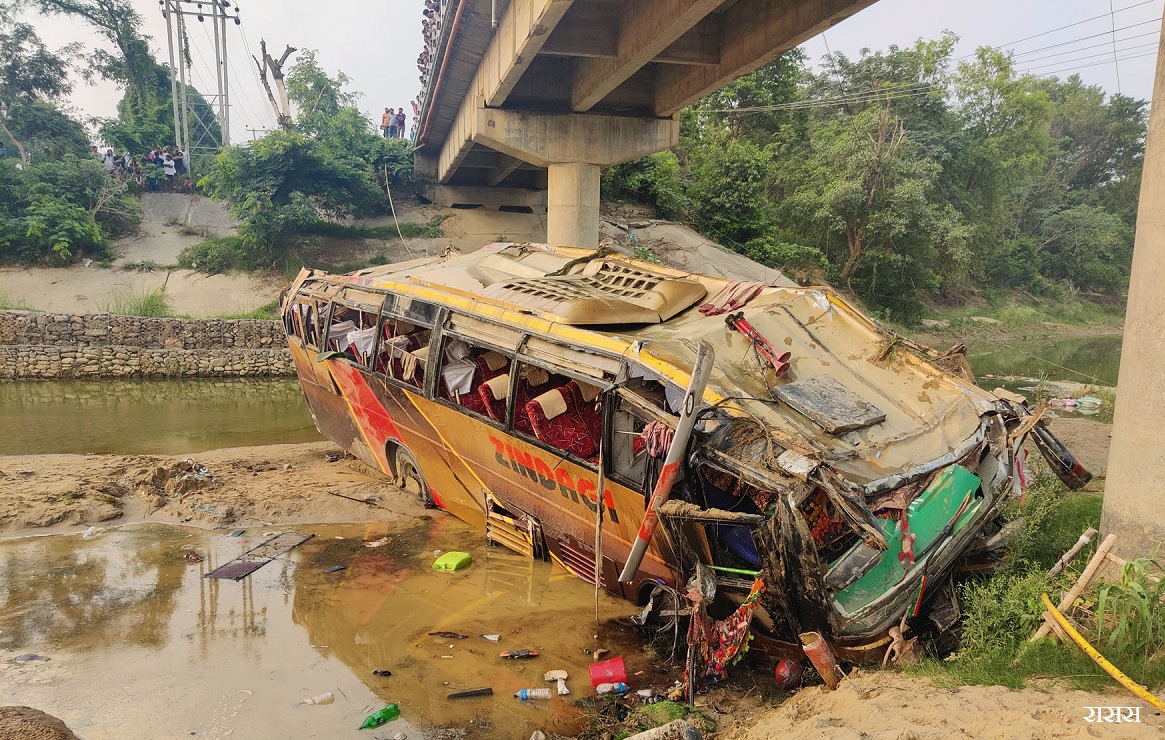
{"x": 221, "y": 254}
{"x": 783, "y": 255}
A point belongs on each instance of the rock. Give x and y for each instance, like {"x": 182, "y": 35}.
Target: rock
{"x": 26, "y": 723}
{"x": 984, "y": 320}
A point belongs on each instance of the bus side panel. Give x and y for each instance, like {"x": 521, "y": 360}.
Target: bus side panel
{"x": 561, "y": 494}
{"x": 387, "y": 413}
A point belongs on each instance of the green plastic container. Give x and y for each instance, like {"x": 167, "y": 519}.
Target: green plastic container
{"x": 452, "y": 561}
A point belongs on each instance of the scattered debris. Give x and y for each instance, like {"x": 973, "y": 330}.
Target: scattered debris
{"x": 818, "y": 652}
{"x": 90, "y": 533}
{"x": 449, "y": 635}
{"x": 675, "y": 730}
{"x": 335, "y": 569}
{"x": 30, "y": 658}
{"x": 470, "y": 693}
{"x": 258, "y": 556}
{"x": 608, "y": 671}
{"x": 193, "y": 557}
{"x": 528, "y": 694}
{"x": 789, "y": 674}
{"x": 493, "y": 638}
{"x": 381, "y": 672}
{"x": 237, "y": 533}
{"x": 333, "y": 456}
{"x": 560, "y": 677}
{"x": 612, "y": 688}
{"x": 325, "y": 698}
{"x": 452, "y": 561}
{"x": 378, "y": 718}
{"x": 600, "y": 652}
{"x": 522, "y": 654}
{"x": 377, "y": 543}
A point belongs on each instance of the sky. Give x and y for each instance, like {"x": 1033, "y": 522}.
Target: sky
{"x": 376, "y": 43}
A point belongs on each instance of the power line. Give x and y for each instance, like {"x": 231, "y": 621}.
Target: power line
{"x": 1082, "y": 38}
{"x": 904, "y": 91}
{"x": 1116, "y": 66}
{"x": 1070, "y": 25}
{"x": 1111, "y": 55}
{"x": 1091, "y": 46}
{"x": 1094, "y": 64}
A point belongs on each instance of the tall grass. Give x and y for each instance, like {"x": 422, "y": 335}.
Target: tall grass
{"x": 151, "y": 303}
{"x": 8, "y": 303}
{"x": 266, "y": 311}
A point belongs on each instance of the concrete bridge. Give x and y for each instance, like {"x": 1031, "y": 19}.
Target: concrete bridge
{"x": 522, "y": 97}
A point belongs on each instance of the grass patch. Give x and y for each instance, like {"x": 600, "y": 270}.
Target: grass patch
{"x": 1002, "y": 611}
{"x": 149, "y": 303}
{"x": 1020, "y": 313}
{"x": 430, "y": 230}
{"x": 216, "y": 255}
{"x": 266, "y": 311}
{"x": 8, "y": 303}
{"x": 142, "y": 266}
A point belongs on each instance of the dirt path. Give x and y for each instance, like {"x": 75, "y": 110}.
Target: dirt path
{"x": 898, "y": 707}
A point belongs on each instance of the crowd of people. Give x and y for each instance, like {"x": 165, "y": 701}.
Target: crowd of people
{"x": 431, "y": 26}
{"x": 162, "y": 170}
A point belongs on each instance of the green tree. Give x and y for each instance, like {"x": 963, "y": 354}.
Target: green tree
{"x": 30, "y": 75}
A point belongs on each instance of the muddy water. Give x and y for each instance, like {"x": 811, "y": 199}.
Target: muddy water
{"x": 1081, "y": 360}
{"x": 151, "y": 416}
{"x": 142, "y": 646}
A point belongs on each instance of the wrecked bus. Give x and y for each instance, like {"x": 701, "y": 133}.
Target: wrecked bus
{"x": 846, "y": 467}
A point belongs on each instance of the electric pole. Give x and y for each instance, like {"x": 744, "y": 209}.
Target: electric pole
{"x": 175, "y": 13}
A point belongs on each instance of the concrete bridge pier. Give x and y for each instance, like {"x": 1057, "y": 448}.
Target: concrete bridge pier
{"x": 572, "y": 204}
{"x": 572, "y": 147}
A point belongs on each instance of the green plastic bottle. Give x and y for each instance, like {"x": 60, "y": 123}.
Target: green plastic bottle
{"x": 376, "y": 719}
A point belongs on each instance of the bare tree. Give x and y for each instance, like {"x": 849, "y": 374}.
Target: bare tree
{"x": 274, "y": 67}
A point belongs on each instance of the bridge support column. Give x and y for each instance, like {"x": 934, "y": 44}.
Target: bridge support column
{"x": 572, "y": 201}
{"x": 1134, "y": 494}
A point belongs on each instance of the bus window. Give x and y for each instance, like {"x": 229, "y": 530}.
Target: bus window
{"x": 352, "y": 332}
{"x": 630, "y": 463}
{"x": 567, "y": 417}
{"x": 464, "y": 370}
{"x": 399, "y": 355}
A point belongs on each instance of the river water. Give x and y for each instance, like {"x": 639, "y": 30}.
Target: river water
{"x": 151, "y": 416}
{"x": 141, "y": 645}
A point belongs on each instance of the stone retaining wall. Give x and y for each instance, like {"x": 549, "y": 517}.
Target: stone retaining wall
{"x": 43, "y": 345}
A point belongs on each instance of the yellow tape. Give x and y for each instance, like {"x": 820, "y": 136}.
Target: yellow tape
{"x": 1127, "y": 682}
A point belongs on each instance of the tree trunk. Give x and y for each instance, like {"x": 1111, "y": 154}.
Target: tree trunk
{"x": 15, "y": 142}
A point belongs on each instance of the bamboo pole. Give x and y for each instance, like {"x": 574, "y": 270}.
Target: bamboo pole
{"x": 1076, "y": 589}
{"x": 1067, "y": 557}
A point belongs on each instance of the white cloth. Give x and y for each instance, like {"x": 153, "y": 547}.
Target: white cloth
{"x": 362, "y": 339}
{"x": 458, "y": 369}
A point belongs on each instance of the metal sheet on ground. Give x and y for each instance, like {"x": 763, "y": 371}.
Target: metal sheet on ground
{"x": 258, "y": 556}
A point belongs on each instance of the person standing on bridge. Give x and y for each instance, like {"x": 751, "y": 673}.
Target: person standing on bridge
{"x": 386, "y": 122}
{"x": 400, "y": 123}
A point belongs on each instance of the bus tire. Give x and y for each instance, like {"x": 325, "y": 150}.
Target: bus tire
{"x": 409, "y": 477}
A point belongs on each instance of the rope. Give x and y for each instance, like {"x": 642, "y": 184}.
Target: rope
{"x": 388, "y": 191}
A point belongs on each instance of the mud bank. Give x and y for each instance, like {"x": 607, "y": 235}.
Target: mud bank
{"x": 40, "y": 345}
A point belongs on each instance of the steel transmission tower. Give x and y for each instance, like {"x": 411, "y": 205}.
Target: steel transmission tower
{"x": 175, "y": 12}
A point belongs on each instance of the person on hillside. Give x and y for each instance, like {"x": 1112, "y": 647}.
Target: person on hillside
{"x": 109, "y": 162}
{"x": 170, "y": 170}
{"x": 386, "y": 122}
{"x": 179, "y": 158}
{"x": 400, "y": 123}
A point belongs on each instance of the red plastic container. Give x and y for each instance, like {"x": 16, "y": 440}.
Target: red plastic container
{"x": 608, "y": 671}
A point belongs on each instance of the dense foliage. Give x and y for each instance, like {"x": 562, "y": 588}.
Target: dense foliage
{"x": 56, "y": 202}
{"x": 909, "y": 177}
{"x": 329, "y": 164}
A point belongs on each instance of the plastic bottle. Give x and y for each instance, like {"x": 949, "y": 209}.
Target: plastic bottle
{"x": 376, "y": 719}
{"x": 325, "y": 698}
{"x": 612, "y": 688}
{"x": 525, "y": 694}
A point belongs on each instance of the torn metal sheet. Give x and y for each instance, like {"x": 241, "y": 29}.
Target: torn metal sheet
{"x": 830, "y": 404}
{"x": 258, "y": 556}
